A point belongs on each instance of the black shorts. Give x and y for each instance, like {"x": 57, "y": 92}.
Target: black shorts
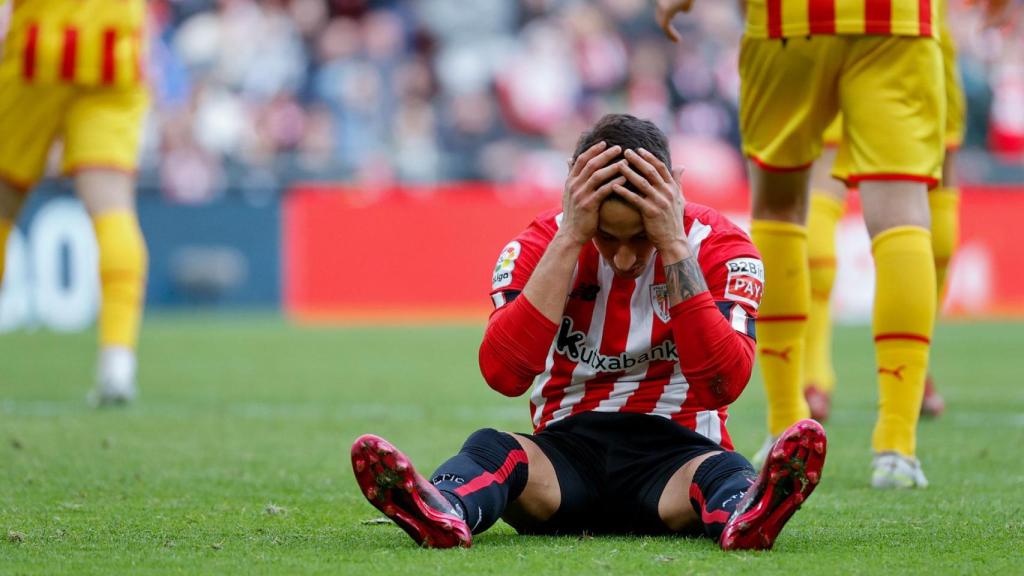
{"x": 612, "y": 468}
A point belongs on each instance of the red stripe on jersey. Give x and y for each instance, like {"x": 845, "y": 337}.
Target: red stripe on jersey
{"x": 613, "y": 342}
{"x": 659, "y": 372}
{"x": 774, "y": 18}
{"x": 821, "y": 15}
{"x": 877, "y": 16}
{"x": 484, "y": 480}
{"x": 582, "y": 311}
{"x": 924, "y": 16}
{"x": 108, "y": 69}
{"x": 28, "y": 64}
{"x": 70, "y": 55}
{"x": 723, "y": 415}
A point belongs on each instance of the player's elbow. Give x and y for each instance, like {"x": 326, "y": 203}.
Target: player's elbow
{"x": 500, "y": 377}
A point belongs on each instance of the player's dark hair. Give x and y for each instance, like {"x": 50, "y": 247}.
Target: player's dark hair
{"x": 629, "y": 132}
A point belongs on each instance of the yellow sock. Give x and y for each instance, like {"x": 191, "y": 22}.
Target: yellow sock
{"x": 945, "y": 208}
{"x": 5, "y": 230}
{"x": 824, "y": 215}
{"x": 123, "y": 262}
{"x": 903, "y": 319}
{"x": 783, "y": 319}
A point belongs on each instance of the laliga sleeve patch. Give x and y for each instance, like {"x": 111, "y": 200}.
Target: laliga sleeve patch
{"x": 506, "y": 264}
{"x": 745, "y": 282}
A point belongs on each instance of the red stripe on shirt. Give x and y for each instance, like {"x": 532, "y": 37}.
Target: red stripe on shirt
{"x": 659, "y": 372}
{"x": 924, "y": 15}
{"x": 583, "y": 312}
{"x": 28, "y": 64}
{"x": 108, "y": 69}
{"x": 70, "y": 55}
{"x": 774, "y": 18}
{"x": 614, "y": 337}
{"x": 877, "y": 16}
{"x": 821, "y": 15}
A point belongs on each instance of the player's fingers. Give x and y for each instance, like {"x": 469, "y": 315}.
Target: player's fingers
{"x": 639, "y": 182}
{"x": 586, "y": 156}
{"x": 663, "y": 171}
{"x": 646, "y": 169}
{"x": 639, "y": 202}
{"x": 598, "y": 195}
{"x": 599, "y": 161}
{"x": 602, "y": 175}
{"x": 664, "y": 18}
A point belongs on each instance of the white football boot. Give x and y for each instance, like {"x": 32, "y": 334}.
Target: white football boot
{"x": 115, "y": 377}
{"x": 893, "y": 470}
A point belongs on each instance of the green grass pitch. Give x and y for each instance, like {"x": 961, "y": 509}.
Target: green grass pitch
{"x": 236, "y": 460}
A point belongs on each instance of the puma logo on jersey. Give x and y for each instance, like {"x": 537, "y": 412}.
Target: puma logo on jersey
{"x": 783, "y": 354}
{"x": 897, "y": 373}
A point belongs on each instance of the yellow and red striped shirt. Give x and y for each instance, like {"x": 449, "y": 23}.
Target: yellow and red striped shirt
{"x": 793, "y": 18}
{"x": 81, "y": 42}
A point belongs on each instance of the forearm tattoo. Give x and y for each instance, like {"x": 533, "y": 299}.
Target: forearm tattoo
{"x": 684, "y": 279}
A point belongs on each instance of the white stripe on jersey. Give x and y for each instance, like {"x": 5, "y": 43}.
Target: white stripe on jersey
{"x": 672, "y": 398}
{"x": 537, "y": 397}
{"x": 709, "y": 425}
{"x": 584, "y": 371}
{"x": 641, "y": 324}
{"x": 699, "y": 232}
{"x": 738, "y": 319}
{"x": 674, "y": 393}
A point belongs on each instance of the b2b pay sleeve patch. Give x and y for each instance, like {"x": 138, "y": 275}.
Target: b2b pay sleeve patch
{"x": 506, "y": 264}
{"x": 745, "y": 282}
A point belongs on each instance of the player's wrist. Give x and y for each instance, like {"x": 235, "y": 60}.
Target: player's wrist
{"x": 674, "y": 251}
{"x": 569, "y": 239}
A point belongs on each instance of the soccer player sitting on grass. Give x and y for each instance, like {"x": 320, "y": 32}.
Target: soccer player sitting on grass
{"x": 632, "y": 313}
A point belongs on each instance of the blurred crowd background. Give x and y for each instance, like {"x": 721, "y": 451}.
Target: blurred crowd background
{"x": 253, "y": 94}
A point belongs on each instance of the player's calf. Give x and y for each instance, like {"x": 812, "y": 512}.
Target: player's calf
{"x": 488, "y": 473}
{"x": 719, "y": 484}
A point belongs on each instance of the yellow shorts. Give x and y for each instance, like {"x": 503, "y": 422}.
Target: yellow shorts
{"x": 100, "y": 127}
{"x": 955, "y": 109}
{"x": 889, "y": 89}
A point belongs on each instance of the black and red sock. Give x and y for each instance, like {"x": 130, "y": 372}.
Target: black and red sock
{"x": 718, "y": 486}
{"x": 489, "y": 472}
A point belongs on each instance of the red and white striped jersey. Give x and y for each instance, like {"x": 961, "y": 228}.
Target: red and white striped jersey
{"x": 614, "y": 350}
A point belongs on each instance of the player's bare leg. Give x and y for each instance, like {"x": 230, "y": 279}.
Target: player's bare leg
{"x": 898, "y": 221}
{"x": 11, "y": 200}
{"x": 542, "y": 495}
{"x": 780, "y": 200}
{"x": 109, "y": 198}
{"x": 828, "y": 200}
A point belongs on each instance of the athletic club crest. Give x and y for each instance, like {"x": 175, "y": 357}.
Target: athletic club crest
{"x": 659, "y": 301}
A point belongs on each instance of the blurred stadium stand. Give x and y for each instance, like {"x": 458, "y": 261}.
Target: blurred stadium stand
{"x": 289, "y": 137}
{"x": 253, "y": 95}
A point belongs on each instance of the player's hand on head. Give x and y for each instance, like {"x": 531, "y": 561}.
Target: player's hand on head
{"x": 665, "y": 10}
{"x": 660, "y": 199}
{"x": 591, "y": 179}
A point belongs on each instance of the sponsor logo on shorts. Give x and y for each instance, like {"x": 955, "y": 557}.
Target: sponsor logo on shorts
{"x": 745, "y": 282}
{"x": 573, "y": 345}
{"x": 506, "y": 264}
